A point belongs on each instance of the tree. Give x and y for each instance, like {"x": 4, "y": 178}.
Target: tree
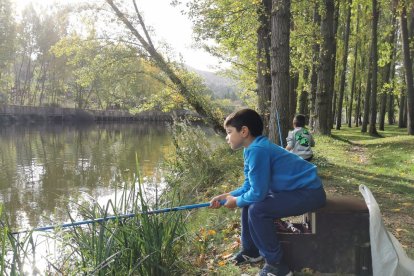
{"x": 279, "y": 64}
{"x": 367, "y": 96}
{"x": 7, "y": 39}
{"x": 344, "y": 65}
{"x": 314, "y": 73}
{"x": 388, "y": 64}
{"x": 264, "y": 80}
{"x": 25, "y": 62}
{"x": 374, "y": 82}
{"x": 199, "y": 104}
{"x": 354, "y": 71}
{"x": 325, "y": 71}
{"x": 408, "y": 70}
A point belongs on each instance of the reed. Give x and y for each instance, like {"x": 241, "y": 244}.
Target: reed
{"x": 143, "y": 245}
{"x": 201, "y": 161}
{"x": 14, "y": 250}
{"x": 3, "y": 235}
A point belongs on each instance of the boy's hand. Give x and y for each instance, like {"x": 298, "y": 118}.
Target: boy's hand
{"x": 215, "y": 201}
{"x": 230, "y": 202}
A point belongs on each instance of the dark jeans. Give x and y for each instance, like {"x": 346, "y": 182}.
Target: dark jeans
{"x": 258, "y": 227}
{"x": 309, "y": 159}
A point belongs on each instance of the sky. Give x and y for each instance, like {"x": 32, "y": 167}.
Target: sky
{"x": 168, "y": 23}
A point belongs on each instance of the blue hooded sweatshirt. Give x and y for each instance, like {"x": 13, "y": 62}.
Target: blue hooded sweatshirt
{"x": 270, "y": 168}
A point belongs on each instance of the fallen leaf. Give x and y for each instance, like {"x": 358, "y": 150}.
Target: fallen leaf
{"x": 227, "y": 256}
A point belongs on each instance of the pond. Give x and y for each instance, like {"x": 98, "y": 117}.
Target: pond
{"x": 45, "y": 170}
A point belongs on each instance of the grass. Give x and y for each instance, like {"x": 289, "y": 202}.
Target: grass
{"x": 143, "y": 245}
{"x": 384, "y": 164}
{"x": 345, "y": 160}
{"x": 172, "y": 244}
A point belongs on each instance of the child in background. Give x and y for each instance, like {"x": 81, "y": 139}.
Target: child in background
{"x": 277, "y": 184}
{"x": 300, "y": 140}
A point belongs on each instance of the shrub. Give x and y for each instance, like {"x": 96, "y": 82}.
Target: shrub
{"x": 201, "y": 163}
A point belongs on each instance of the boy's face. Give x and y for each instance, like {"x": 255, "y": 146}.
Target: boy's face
{"x": 236, "y": 139}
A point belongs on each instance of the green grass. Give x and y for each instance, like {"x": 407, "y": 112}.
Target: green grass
{"x": 200, "y": 243}
{"x": 384, "y": 164}
{"x": 345, "y": 160}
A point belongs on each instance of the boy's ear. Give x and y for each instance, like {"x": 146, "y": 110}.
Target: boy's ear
{"x": 245, "y": 131}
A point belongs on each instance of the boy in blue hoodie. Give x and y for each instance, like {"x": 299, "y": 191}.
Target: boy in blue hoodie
{"x": 277, "y": 184}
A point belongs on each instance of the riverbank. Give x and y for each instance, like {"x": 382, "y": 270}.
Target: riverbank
{"x": 201, "y": 167}
{"x": 345, "y": 160}
{"x": 14, "y": 114}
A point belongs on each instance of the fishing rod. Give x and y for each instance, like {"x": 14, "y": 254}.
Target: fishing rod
{"x": 278, "y": 128}
{"x": 131, "y": 215}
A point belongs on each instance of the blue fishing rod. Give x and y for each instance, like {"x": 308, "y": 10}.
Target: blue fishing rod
{"x": 131, "y": 215}
{"x": 278, "y": 128}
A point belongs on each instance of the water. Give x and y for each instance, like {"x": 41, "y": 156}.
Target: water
{"x": 45, "y": 169}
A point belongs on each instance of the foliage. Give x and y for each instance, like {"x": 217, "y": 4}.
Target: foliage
{"x": 7, "y": 44}
{"x": 143, "y": 244}
{"x": 14, "y": 250}
{"x": 200, "y": 162}
{"x": 107, "y": 75}
{"x": 232, "y": 26}
{"x": 3, "y": 240}
{"x": 345, "y": 160}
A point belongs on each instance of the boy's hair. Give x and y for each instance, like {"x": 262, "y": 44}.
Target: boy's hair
{"x": 300, "y": 120}
{"x": 245, "y": 117}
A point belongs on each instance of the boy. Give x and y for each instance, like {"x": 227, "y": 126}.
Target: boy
{"x": 277, "y": 184}
{"x": 300, "y": 140}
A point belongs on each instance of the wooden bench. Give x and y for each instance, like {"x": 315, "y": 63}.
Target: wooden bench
{"x": 338, "y": 241}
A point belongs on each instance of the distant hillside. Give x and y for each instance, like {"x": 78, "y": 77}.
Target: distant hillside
{"x": 221, "y": 87}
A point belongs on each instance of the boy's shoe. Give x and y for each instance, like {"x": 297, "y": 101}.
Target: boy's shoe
{"x": 275, "y": 270}
{"x": 242, "y": 258}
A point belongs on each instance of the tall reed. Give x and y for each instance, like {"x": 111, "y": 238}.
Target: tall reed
{"x": 3, "y": 237}
{"x": 15, "y": 250}
{"x": 143, "y": 245}
{"x": 201, "y": 161}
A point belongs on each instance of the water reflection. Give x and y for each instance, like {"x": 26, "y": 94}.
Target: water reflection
{"x": 43, "y": 169}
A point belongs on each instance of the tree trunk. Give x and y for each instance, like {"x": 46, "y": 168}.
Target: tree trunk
{"x": 201, "y": 107}
{"x": 402, "y": 114}
{"x": 344, "y": 66}
{"x": 358, "y": 106}
{"x": 332, "y": 93}
{"x": 365, "y": 116}
{"x": 279, "y": 63}
{"x": 391, "y": 116}
{"x": 374, "y": 84}
{"x": 408, "y": 71}
{"x": 353, "y": 85}
{"x": 304, "y": 95}
{"x": 411, "y": 30}
{"x": 314, "y": 73}
{"x": 324, "y": 91}
{"x": 388, "y": 74}
{"x": 333, "y": 102}
{"x": 293, "y": 95}
{"x": 264, "y": 80}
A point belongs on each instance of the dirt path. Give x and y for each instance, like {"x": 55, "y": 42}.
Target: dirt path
{"x": 397, "y": 212}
